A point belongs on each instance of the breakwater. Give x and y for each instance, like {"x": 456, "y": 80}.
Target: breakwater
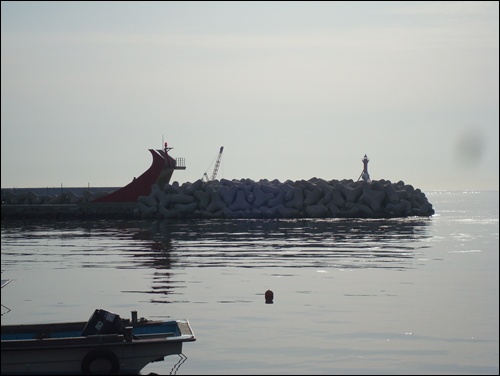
{"x": 244, "y": 198}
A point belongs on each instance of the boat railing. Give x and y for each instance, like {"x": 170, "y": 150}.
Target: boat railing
{"x": 180, "y": 163}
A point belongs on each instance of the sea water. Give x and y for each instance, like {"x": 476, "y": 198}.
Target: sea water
{"x": 351, "y": 296}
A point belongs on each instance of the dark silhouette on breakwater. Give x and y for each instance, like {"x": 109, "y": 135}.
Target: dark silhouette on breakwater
{"x": 151, "y": 196}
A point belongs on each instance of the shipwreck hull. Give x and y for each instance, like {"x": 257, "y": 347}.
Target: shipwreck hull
{"x": 160, "y": 172}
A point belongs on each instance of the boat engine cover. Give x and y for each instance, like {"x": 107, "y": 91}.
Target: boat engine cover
{"x": 103, "y": 322}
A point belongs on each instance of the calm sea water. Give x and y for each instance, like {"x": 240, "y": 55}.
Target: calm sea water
{"x": 398, "y": 296}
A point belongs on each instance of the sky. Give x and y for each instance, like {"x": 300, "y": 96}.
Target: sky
{"x": 292, "y": 90}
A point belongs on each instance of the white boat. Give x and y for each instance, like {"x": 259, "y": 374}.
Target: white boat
{"x": 105, "y": 344}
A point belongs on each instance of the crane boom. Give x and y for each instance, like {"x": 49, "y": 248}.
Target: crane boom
{"x": 217, "y": 164}
{"x": 216, "y": 168}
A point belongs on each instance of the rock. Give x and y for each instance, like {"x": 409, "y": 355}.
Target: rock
{"x": 216, "y": 204}
{"x": 317, "y": 211}
{"x": 261, "y": 198}
{"x": 240, "y": 202}
{"x": 313, "y": 198}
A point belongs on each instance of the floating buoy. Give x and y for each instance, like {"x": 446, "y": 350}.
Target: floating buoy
{"x": 269, "y": 295}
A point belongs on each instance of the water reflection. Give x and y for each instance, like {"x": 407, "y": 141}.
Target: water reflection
{"x": 293, "y": 243}
{"x": 165, "y": 247}
{"x": 208, "y": 243}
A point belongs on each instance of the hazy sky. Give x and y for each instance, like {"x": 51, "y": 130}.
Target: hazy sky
{"x": 292, "y": 90}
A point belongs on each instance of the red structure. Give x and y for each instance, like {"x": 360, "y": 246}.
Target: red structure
{"x": 159, "y": 172}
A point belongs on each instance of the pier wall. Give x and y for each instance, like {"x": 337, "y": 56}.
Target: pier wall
{"x": 245, "y": 198}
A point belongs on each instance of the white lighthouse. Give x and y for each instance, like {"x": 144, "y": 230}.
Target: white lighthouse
{"x": 365, "y": 175}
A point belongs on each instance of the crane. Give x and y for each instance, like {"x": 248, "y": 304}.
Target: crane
{"x": 216, "y": 168}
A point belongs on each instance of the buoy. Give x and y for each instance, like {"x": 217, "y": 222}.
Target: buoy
{"x": 269, "y": 295}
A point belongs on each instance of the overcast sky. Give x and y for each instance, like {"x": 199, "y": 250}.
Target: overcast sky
{"x": 292, "y": 90}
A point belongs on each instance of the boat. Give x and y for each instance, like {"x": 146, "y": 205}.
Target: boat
{"x": 105, "y": 344}
{"x": 160, "y": 173}
{"x": 5, "y": 282}
{"x": 117, "y": 203}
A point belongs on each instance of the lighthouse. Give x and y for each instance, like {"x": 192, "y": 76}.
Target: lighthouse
{"x": 365, "y": 175}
